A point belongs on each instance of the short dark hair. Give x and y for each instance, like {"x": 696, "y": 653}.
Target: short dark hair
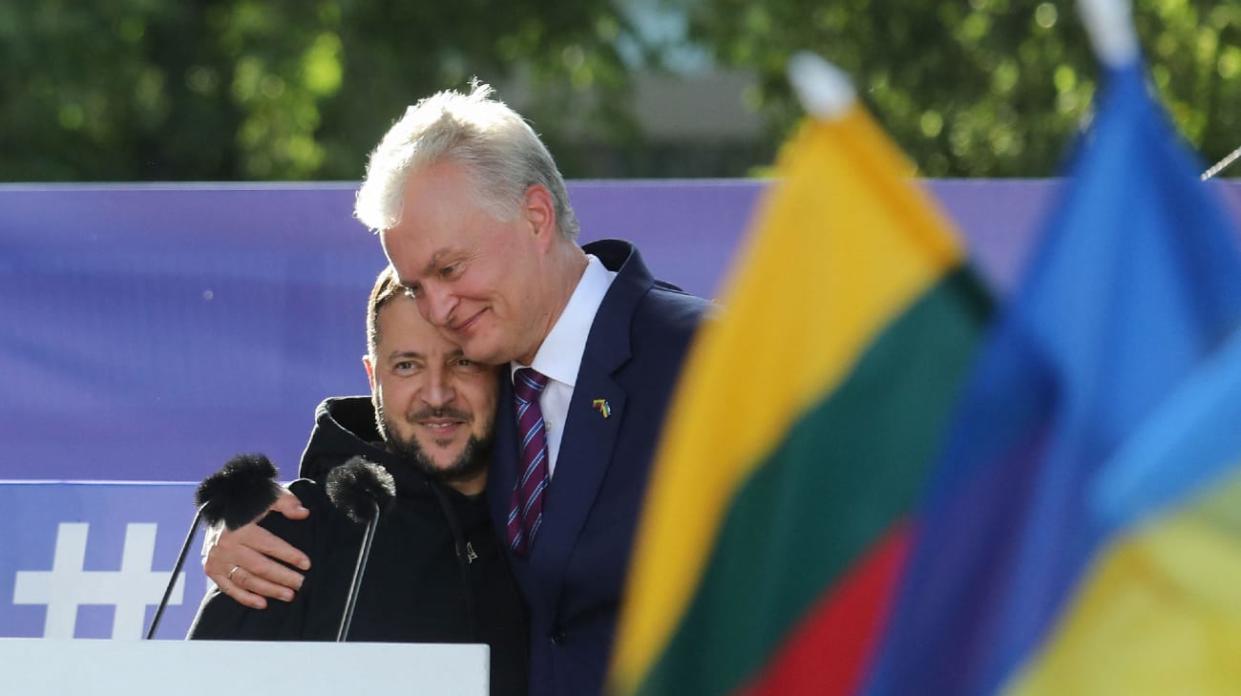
{"x": 387, "y": 286}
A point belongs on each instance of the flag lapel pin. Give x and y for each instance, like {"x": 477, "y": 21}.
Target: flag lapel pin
{"x": 601, "y": 405}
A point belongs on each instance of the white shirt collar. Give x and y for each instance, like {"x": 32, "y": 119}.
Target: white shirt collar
{"x": 560, "y": 355}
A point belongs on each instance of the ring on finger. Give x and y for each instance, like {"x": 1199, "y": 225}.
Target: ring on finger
{"x": 234, "y": 570}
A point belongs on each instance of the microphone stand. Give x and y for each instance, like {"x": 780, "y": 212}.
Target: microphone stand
{"x": 358, "y": 571}
{"x": 176, "y": 570}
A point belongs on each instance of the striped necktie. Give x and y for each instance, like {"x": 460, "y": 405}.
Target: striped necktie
{"x": 525, "y": 513}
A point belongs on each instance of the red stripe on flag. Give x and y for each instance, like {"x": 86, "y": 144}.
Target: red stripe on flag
{"x": 828, "y": 653}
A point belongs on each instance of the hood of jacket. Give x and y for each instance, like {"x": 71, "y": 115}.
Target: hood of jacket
{"x": 345, "y": 428}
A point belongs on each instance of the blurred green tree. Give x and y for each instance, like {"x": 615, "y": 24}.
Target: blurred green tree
{"x": 277, "y": 89}
{"x": 982, "y": 87}
{"x": 301, "y": 89}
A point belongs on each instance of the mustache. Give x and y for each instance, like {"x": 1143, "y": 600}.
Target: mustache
{"x": 442, "y": 412}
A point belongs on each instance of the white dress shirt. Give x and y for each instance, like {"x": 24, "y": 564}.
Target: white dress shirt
{"x": 560, "y": 355}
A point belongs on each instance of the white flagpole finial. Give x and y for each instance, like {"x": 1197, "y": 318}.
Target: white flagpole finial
{"x": 824, "y": 89}
{"x": 1109, "y": 23}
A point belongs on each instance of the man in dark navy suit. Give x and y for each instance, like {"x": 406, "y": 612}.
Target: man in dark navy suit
{"x": 473, "y": 215}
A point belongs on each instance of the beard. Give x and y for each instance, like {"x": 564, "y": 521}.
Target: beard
{"x": 472, "y": 460}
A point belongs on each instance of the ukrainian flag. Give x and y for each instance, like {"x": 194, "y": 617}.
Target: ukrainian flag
{"x": 1082, "y": 534}
{"x": 1159, "y": 609}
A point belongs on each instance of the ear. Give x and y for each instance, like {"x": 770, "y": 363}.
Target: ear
{"x": 540, "y": 212}
{"x": 370, "y": 372}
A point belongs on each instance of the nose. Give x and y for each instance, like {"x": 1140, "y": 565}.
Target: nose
{"x": 439, "y": 390}
{"x": 436, "y": 305}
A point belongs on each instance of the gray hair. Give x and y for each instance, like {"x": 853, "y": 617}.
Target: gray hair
{"x": 499, "y": 149}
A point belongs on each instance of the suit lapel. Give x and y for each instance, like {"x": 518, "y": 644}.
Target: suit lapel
{"x": 581, "y": 464}
{"x": 589, "y": 437}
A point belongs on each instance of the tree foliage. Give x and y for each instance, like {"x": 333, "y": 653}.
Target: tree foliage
{"x": 301, "y": 89}
{"x": 274, "y": 89}
{"x": 983, "y": 87}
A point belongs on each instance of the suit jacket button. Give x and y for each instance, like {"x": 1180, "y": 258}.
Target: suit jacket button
{"x": 558, "y": 637}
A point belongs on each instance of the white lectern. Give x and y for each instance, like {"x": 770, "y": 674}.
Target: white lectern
{"x": 38, "y": 666}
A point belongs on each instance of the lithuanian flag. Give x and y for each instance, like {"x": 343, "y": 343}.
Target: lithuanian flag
{"x": 775, "y": 525}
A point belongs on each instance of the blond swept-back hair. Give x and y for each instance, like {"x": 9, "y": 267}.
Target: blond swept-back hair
{"x": 501, "y": 152}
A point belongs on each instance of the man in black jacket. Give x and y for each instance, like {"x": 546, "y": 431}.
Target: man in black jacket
{"x": 436, "y": 572}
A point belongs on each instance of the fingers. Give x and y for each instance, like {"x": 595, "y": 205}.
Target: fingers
{"x": 264, "y": 542}
{"x": 289, "y": 506}
{"x": 257, "y": 576}
{"x": 233, "y": 587}
{"x": 256, "y": 582}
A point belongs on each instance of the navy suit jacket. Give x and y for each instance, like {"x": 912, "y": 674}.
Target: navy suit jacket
{"x": 575, "y": 572}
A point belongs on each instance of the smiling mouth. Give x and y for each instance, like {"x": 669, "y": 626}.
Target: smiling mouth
{"x": 441, "y": 426}
{"x": 468, "y": 324}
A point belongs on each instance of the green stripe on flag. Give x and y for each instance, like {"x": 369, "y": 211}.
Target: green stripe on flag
{"x": 845, "y": 472}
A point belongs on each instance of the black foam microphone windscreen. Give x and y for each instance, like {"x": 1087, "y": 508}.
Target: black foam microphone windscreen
{"x": 358, "y": 486}
{"x": 239, "y": 492}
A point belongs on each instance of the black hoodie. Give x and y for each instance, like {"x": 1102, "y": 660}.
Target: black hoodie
{"x": 436, "y": 573}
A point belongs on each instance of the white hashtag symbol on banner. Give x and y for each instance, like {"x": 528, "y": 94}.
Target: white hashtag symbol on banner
{"x": 67, "y": 586}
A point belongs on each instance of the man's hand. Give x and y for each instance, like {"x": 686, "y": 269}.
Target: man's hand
{"x": 240, "y": 561}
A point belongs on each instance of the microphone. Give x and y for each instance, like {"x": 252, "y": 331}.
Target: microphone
{"x": 362, "y": 490}
{"x": 236, "y": 494}
{"x": 239, "y": 492}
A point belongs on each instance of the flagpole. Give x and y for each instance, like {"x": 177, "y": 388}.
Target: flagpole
{"x": 1222, "y": 164}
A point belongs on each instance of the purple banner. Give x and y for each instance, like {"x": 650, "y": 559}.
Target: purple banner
{"x": 151, "y": 332}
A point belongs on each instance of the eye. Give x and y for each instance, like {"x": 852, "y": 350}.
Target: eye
{"x": 450, "y": 270}
{"x": 465, "y": 364}
{"x": 404, "y": 366}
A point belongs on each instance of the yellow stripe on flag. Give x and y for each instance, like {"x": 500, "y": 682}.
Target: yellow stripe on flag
{"x": 844, "y": 243}
{"x": 1159, "y": 613}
